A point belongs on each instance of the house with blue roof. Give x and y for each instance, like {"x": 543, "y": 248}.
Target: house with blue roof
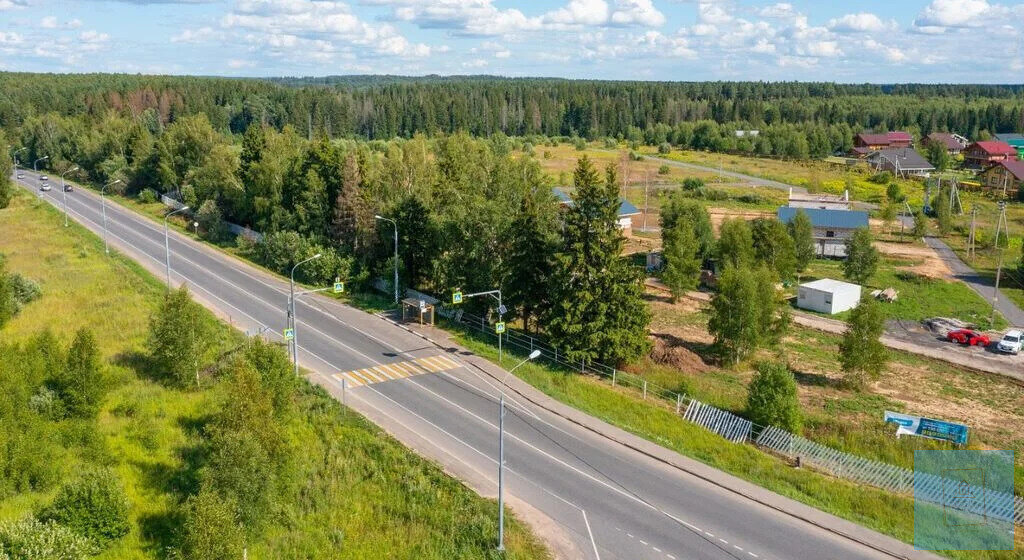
{"x": 831, "y": 227}
{"x": 626, "y": 209}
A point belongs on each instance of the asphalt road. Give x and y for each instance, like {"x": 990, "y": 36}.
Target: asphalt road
{"x": 605, "y": 500}
{"x": 983, "y": 285}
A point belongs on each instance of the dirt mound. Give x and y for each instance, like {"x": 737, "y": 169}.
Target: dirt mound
{"x": 672, "y": 351}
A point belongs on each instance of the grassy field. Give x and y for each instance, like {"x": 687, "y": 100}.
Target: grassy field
{"x": 363, "y": 496}
{"x": 886, "y": 513}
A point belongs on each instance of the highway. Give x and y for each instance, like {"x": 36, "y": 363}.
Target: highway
{"x": 591, "y": 498}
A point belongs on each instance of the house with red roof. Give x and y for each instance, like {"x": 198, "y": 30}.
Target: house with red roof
{"x": 987, "y": 152}
{"x": 866, "y": 142}
{"x": 1005, "y": 175}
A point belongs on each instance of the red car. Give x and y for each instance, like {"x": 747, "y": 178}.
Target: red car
{"x": 968, "y": 337}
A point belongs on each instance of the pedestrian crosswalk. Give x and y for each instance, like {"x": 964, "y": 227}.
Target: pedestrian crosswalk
{"x": 396, "y": 370}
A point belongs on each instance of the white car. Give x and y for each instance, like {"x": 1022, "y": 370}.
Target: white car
{"x": 43, "y": 178}
{"x": 21, "y": 175}
{"x": 45, "y": 187}
{"x": 1011, "y": 342}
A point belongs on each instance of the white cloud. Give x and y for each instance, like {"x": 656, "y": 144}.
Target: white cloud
{"x": 637, "y": 12}
{"x": 236, "y": 63}
{"x": 10, "y": 39}
{"x": 780, "y": 10}
{"x": 713, "y": 13}
{"x": 475, "y": 63}
{"x": 93, "y": 36}
{"x": 953, "y": 13}
{"x": 12, "y": 4}
{"x": 48, "y": 22}
{"x": 201, "y": 35}
{"x": 579, "y": 12}
{"x": 503, "y": 54}
{"x": 74, "y": 24}
{"x": 859, "y": 23}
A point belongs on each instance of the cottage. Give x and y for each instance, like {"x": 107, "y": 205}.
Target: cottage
{"x": 831, "y": 227}
{"x": 954, "y": 143}
{"x": 901, "y": 161}
{"x": 626, "y": 210}
{"x": 1005, "y": 175}
{"x": 828, "y": 296}
{"x": 1016, "y": 141}
{"x": 866, "y": 142}
{"x": 982, "y": 154}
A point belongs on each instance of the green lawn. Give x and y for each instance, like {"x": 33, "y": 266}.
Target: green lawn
{"x": 363, "y": 495}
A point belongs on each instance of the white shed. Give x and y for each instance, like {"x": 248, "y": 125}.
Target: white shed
{"x": 828, "y": 296}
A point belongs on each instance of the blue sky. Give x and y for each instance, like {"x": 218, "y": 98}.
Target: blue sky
{"x": 867, "y": 41}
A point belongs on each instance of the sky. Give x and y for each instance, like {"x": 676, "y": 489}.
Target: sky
{"x": 955, "y": 41}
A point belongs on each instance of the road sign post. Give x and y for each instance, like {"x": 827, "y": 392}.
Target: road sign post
{"x": 456, "y": 298}
{"x": 339, "y": 287}
{"x": 289, "y": 333}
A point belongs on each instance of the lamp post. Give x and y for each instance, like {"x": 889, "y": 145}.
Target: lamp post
{"x": 64, "y": 191}
{"x": 396, "y": 251}
{"x": 34, "y": 163}
{"x": 15, "y": 157}
{"x": 103, "y": 205}
{"x": 167, "y": 244}
{"x": 501, "y": 458}
{"x": 291, "y": 313}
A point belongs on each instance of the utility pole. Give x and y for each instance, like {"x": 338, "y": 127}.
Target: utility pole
{"x": 167, "y": 244}
{"x": 970, "y": 235}
{"x": 291, "y": 313}
{"x": 999, "y": 268}
{"x": 394, "y": 223}
{"x": 501, "y": 473}
{"x": 501, "y": 311}
{"x": 1001, "y": 224}
{"x": 647, "y": 178}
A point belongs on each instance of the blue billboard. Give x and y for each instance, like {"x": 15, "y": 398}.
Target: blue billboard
{"x": 928, "y": 427}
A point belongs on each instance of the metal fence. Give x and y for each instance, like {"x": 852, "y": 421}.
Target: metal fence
{"x": 233, "y": 228}
{"x": 740, "y": 430}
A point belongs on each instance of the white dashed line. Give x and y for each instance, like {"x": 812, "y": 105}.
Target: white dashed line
{"x": 737, "y": 548}
{"x": 752, "y": 554}
{"x": 670, "y": 557}
{"x": 724, "y": 541}
{"x": 629, "y": 535}
{"x": 643, "y": 542}
{"x": 656, "y": 549}
{"x": 709, "y": 534}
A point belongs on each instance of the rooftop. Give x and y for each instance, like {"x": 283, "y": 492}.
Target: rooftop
{"x": 827, "y": 218}
{"x": 829, "y": 285}
{"x": 995, "y": 147}
{"x": 625, "y": 207}
{"x": 907, "y": 158}
{"x": 1014, "y": 166}
{"x": 946, "y": 139}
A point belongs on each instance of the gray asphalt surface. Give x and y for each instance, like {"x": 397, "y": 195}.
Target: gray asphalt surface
{"x": 983, "y": 285}
{"x": 607, "y": 500}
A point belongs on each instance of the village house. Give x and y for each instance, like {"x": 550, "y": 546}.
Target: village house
{"x": 903, "y": 162}
{"x": 866, "y": 142}
{"x": 626, "y": 209}
{"x": 1016, "y": 141}
{"x": 982, "y": 154}
{"x": 954, "y": 143}
{"x": 1007, "y": 175}
{"x": 831, "y": 227}
{"x": 818, "y": 200}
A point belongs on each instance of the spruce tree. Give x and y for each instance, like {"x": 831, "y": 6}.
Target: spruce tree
{"x": 597, "y": 310}
{"x": 347, "y": 206}
{"x": 802, "y": 231}
{"x": 533, "y": 241}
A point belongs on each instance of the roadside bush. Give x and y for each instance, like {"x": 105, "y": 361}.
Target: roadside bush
{"x": 180, "y": 338}
{"x": 610, "y": 142}
{"x": 81, "y": 384}
{"x": 25, "y": 291}
{"x": 664, "y": 148}
{"x": 664, "y": 170}
{"x": 634, "y": 156}
{"x": 772, "y": 397}
{"x": 31, "y": 539}
{"x": 712, "y": 194}
{"x": 692, "y": 184}
{"x": 93, "y": 505}
{"x": 211, "y": 220}
{"x": 148, "y": 196}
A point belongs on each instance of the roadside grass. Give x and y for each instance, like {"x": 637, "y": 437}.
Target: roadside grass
{"x": 363, "y": 495}
{"x": 887, "y": 513}
{"x": 919, "y": 296}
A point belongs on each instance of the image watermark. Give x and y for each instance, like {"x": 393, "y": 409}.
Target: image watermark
{"x": 963, "y": 500}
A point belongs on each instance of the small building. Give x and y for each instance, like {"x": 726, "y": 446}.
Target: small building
{"x": 747, "y": 133}
{"x": 954, "y": 143}
{"x": 866, "y": 142}
{"x": 903, "y": 162}
{"x": 828, "y": 296}
{"x": 1016, "y": 141}
{"x": 982, "y": 154}
{"x": 822, "y": 201}
{"x": 831, "y": 227}
{"x": 626, "y": 209}
{"x": 1006, "y": 175}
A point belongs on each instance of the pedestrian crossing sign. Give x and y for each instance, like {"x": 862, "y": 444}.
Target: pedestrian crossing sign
{"x": 289, "y": 334}
{"x": 499, "y": 328}
{"x": 339, "y": 287}
{"x": 456, "y": 297}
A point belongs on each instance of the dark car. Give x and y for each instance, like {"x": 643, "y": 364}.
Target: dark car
{"x": 68, "y": 188}
{"x": 968, "y": 337}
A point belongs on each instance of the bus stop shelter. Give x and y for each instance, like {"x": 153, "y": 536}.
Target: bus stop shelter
{"x": 417, "y": 307}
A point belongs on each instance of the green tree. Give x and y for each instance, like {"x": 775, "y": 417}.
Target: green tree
{"x": 861, "y": 256}
{"x": 180, "y": 338}
{"x": 417, "y": 239}
{"x": 745, "y": 312}
{"x": 94, "y": 505}
{"x": 861, "y": 353}
{"x": 888, "y": 215}
{"x": 210, "y": 529}
{"x": 681, "y": 209}
{"x": 533, "y": 241}
{"x": 920, "y": 225}
{"x": 802, "y": 231}
{"x": 735, "y": 243}
{"x": 348, "y": 206}
{"x": 682, "y": 261}
{"x": 211, "y": 220}
{"x": 597, "y": 309}
{"x": 238, "y": 466}
{"x": 774, "y": 247}
{"x": 893, "y": 193}
{"x": 772, "y": 398}
{"x": 6, "y": 187}
{"x": 937, "y": 155}
{"x": 82, "y": 384}
{"x": 8, "y": 300}
{"x": 943, "y": 212}
{"x": 31, "y": 539}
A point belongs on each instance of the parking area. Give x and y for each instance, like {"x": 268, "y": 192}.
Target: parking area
{"x": 985, "y": 358}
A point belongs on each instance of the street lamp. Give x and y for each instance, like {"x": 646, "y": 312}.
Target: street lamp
{"x": 501, "y": 458}
{"x": 167, "y": 244}
{"x": 64, "y": 190}
{"x": 291, "y": 312}
{"x": 396, "y": 251}
{"x": 34, "y": 168}
{"x": 15, "y": 156}
{"x": 103, "y": 205}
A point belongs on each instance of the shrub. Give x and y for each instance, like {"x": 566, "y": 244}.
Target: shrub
{"x": 692, "y": 184}
{"x": 210, "y": 219}
{"x": 610, "y": 142}
{"x": 528, "y": 148}
{"x": 94, "y": 505}
{"x": 772, "y": 397}
{"x": 210, "y": 530}
{"x": 180, "y": 339}
{"x": 580, "y": 144}
{"x": 750, "y": 198}
{"x": 881, "y": 177}
{"x": 148, "y": 196}
{"x": 24, "y": 290}
{"x": 664, "y": 170}
{"x": 634, "y": 156}
{"x": 81, "y": 385}
{"x": 712, "y": 194}
{"x": 31, "y": 539}
{"x": 664, "y": 148}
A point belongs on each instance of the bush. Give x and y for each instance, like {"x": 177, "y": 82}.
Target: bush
{"x": 634, "y": 156}
{"x": 31, "y": 539}
{"x": 664, "y": 170}
{"x": 712, "y": 194}
{"x": 210, "y": 219}
{"x": 881, "y": 177}
{"x": 148, "y": 196}
{"x": 610, "y": 142}
{"x": 81, "y": 385}
{"x": 580, "y": 144}
{"x": 664, "y": 148}
{"x": 24, "y": 290}
{"x": 94, "y": 505}
{"x": 750, "y": 198}
{"x": 772, "y": 397}
{"x": 210, "y": 530}
{"x": 692, "y": 184}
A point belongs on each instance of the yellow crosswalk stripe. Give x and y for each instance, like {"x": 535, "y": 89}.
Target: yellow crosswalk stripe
{"x": 396, "y": 370}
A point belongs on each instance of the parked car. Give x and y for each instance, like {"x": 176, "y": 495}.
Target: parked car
{"x": 1011, "y": 342}
{"x": 45, "y": 187}
{"x": 968, "y": 337}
